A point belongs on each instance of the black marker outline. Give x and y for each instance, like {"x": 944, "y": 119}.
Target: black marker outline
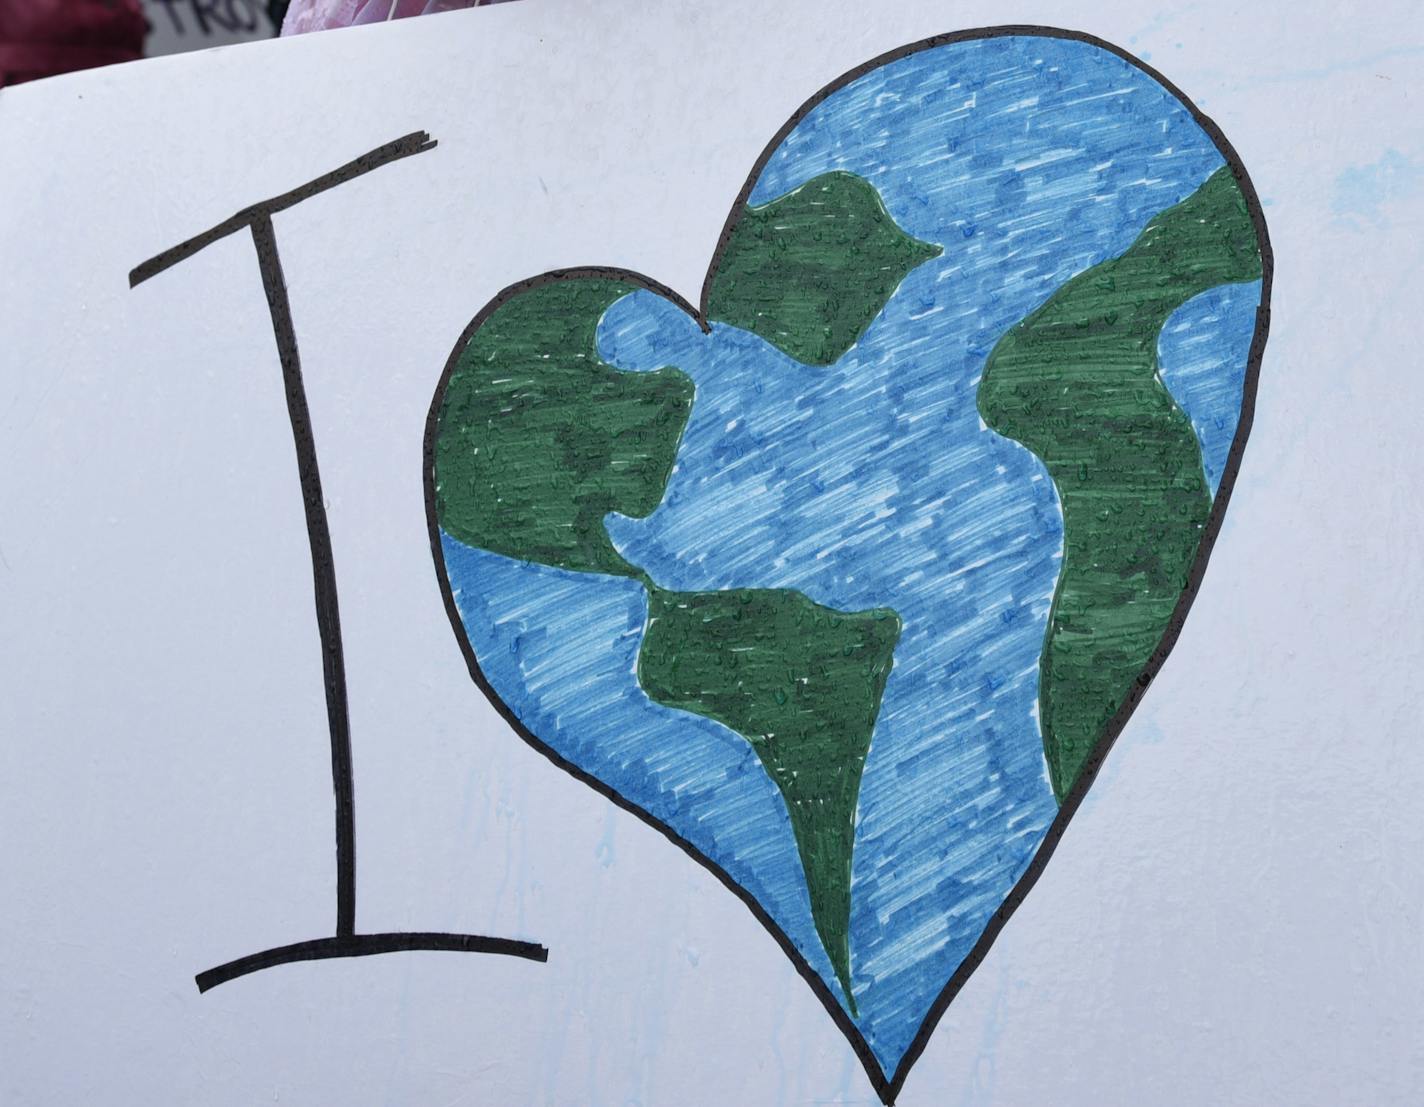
{"x": 346, "y": 942}
{"x": 328, "y": 615}
{"x": 888, "y": 1086}
{"x": 417, "y": 142}
{"x": 365, "y": 945}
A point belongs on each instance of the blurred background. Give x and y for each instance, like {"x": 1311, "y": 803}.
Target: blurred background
{"x": 43, "y": 38}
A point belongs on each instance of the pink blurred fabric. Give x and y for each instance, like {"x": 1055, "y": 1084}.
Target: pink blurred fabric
{"x": 321, "y": 15}
{"x": 39, "y": 38}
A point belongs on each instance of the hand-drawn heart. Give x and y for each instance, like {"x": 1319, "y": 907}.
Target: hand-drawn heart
{"x": 847, "y": 579}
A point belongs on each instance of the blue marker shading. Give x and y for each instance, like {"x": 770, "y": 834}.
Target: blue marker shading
{"x": 873, "y": 482}
{"x": 1201, "y": 358}
{"x": 561, "y": 649}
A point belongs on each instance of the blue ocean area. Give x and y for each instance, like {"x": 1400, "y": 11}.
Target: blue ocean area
{"x": 873, "y": 482}
{"x": 1201, "y": 358}
{"x": 561, "y": 648}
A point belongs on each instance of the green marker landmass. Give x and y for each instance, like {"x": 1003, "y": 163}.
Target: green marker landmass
{"x": 538, "y": 440}
{"x": 1076, "y": 382}
{"x": 802, "y": 683}
{"x": 810, "y": 270}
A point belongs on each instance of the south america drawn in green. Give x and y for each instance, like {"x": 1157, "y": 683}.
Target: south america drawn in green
{"x": 1076, "y": 382}
{"x": 802, "y": 683}
{"x": 537, "y": 439}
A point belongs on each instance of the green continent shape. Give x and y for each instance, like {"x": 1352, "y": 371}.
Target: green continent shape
{"x": 810, "y": 270}
{"x": 803, "y": 684}
{"x": 538, "y": 439}
{"x": 1076, "y": 382}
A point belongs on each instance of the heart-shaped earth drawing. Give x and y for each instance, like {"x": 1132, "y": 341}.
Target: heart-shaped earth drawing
{"x": 847, "y": 579}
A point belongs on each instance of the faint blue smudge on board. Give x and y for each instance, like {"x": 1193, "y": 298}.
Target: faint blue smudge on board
{"x": 1364, "y": 194}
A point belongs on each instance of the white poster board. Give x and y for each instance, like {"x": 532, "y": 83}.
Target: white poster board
{"x": 1233, "y": 914}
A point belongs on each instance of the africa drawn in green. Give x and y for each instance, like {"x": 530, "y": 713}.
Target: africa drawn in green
{"x": 1077, "y": 383}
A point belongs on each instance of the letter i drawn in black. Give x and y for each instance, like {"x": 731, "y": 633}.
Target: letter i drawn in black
{"x": 346, "y": 942}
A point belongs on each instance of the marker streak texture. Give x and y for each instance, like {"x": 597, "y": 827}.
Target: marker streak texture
{"x": 1201, "y": 357}
{"x": 869, "y": 483}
